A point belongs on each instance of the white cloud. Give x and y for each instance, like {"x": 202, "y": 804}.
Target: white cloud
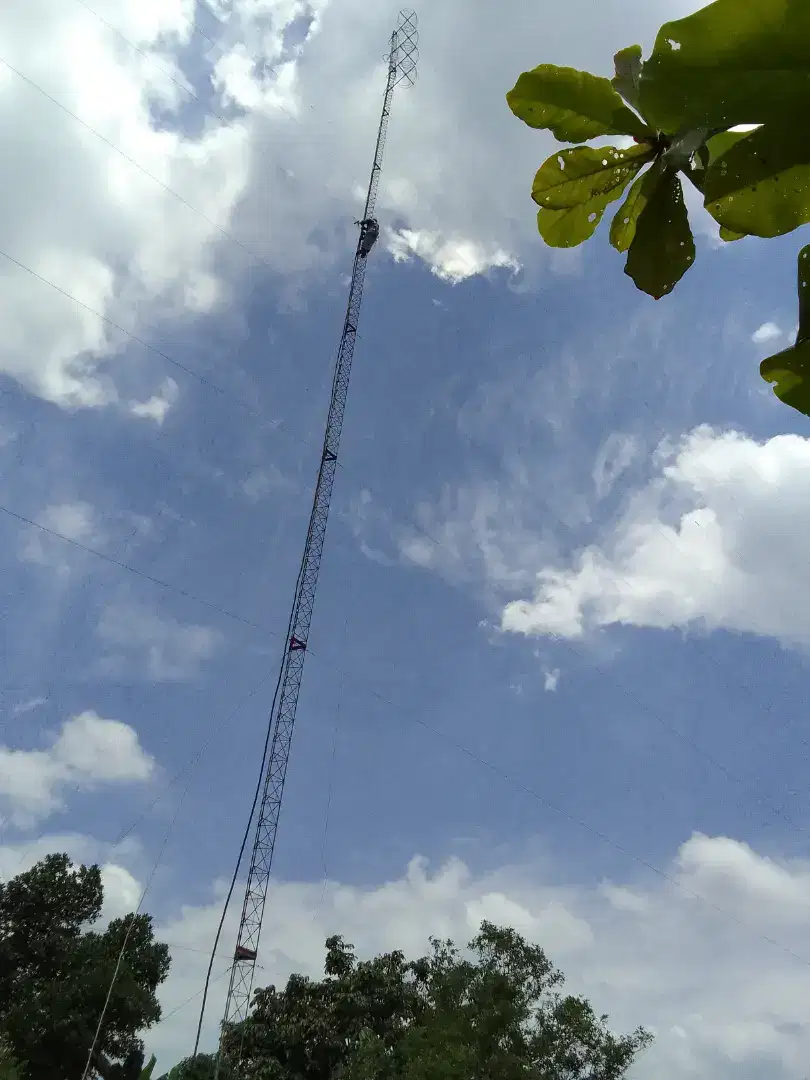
{"x": 452, "y": 259}
{"x": 88, "y": 751}
{"x": 164, "y": 649}
{"x": 523, "y": 486}
{"x": 475, "y": 532}
{"x": 122, "y": 889}
{"x": 158, "y": 405}
{"x": 454, "y": 192}
{"x": 105, "y": 750}
{"x": 767, "y": 332}
{"x": 715, "y": 540}
{"x": 723, "y": 1001}
{"x": 98, "y": 227}
{"x": 76, "y": 521}
{"x": 73, "y": 520}
{"x": 28, "y": 706}
{"x": 551, "y": 680}
{"x": 122, "y": 892}
{"x": 260, "y": 482}
{"x": 615, "y": 456}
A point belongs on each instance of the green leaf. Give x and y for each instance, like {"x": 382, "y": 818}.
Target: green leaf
{"x": 696, "y": 176}
{"x": 722, "y": 142}
{"x": 732, "y": 62}
{"x": 627, "y": 65}
{"x": 789, "y": 373}
{"x": 789, "y": 370}
{"x": 804, "y": 294}
{"x": 573, "y": 225}
{"x": 574, "y": 105}
{"x": 663, "y": 248}
{"x": 623, "y": 227}
{"x": 711, "y": 150}
{"x": 681, "y": 151}
{"x": 695, "y": 171}
{"x": 761, "y": 185}
{"x": 571, "y": 177}
{"x": 696, "y": 153}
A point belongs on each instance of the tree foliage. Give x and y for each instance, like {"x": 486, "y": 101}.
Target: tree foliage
{"x": 495, "y": 1012}
{"x": 201, "y": 1067}
{"x": 10, "y": 1067}
{"x": 148, "y": 1069}
{"x": 727, "y": 65}
{"x": 55, "y": 973}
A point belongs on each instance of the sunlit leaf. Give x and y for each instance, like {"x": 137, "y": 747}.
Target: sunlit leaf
{"x": 720, "y": 144}
{"x": 627, "y": 65}
{"x": 574, "y": 105}
{"x": 573, "y": 225}
{"x": 623, "y": 227}
{"x": 789, "y": 370}
{"x": 761, "y": 185}
{"x": 571, "y": 177}
{"x": 732, "y": 62}
{"x": 663, "y": 248}
{"x": 715, "y": 148}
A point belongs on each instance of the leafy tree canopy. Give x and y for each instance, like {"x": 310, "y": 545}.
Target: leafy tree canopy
{"x": 447, "y": 1016}
{"x": 201, "y": 1067}
{"x": 55, "y": 973}
{"x": 728, "y": 65}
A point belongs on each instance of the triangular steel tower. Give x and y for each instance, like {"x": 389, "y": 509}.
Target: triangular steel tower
{"x": 401, "y": 59}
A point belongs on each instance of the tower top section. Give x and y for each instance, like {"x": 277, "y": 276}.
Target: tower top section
{"x": 404, "y": 51}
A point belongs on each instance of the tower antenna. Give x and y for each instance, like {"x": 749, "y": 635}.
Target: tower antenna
{"x": 401, "y": 59}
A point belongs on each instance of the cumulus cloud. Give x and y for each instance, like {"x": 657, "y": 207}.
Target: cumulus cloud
{"x": 722, "y": 1001}
{"x": 122, "y": 888}
{"x": 122, "y": 891}
{"x": 767, "y": 332}
{"x": 162, "y": 648}
{"x": 88, "y": 751}
{"x": 129, "y": 229}
{"x": 714, "y": 540}
{"x": 451, "y": 259}
{"x": 533, "y": 464}
{"x": 105, "y": 232}
{"x": 158, "y": 405}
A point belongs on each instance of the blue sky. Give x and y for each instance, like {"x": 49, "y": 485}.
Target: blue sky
{"x": 512, "y": 414}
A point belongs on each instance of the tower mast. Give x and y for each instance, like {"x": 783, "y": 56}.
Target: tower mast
{"x": 401, "y": 58}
